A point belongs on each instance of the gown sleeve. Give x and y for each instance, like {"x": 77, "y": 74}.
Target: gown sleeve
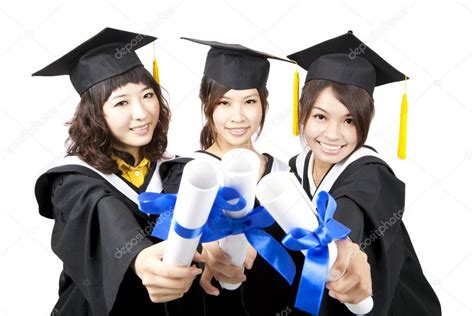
{"x": 371, "y": 202}
{"x": 96, "y": 236}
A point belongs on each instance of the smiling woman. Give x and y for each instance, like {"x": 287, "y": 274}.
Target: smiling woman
{"x": 233, "y": 116}
{"x": 116, "y": 145}
{"x": 336, "y": 121}
{"x": 336, "y": 108}
{"x": 128, "y": 101}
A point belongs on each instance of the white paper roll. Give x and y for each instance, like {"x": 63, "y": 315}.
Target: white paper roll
{"x": 284, "y": 198}
{"x": 240, "y": 168}
{"x": 197, "y": 192}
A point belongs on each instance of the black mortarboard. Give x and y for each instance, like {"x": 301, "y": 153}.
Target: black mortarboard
{"x": 109, "y": 53}
{"x": 236, "y": 66}
{"x": 346, "y": 59}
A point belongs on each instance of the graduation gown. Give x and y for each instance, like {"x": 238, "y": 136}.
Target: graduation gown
{"x": 370, "y": 202}
{"x": 98, "y": 231}
{"x": 264, "y": 292}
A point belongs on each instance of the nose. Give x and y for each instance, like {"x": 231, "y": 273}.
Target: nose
{"x": 139, "y": 112}
{"x": 238, "y": 115}
{"x": 332, "y": 131}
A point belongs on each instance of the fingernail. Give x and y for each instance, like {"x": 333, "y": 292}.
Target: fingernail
{"x": 215, "y": 293}
{"x": 196, "y": 271}
{"x": 335, "y": 273}
{"x": 331, "y": 293}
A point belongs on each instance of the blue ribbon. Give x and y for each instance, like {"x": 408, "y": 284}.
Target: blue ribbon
{"x": 163, "y": 204}
{"x": 219, "y": 225}
{"x": 315, "y": 268}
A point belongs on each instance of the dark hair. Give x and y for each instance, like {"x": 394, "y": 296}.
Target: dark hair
{"x": 210, "y": 94}
{"x": 89, "y": 136}
{"x": 358, "y": 101}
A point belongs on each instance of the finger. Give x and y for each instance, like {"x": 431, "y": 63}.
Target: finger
{"x": 156, "y": 283}
{"x": 344, "y": 252}
{"x": 215, "y": 251}
{"x": 354, "y": 296}
{"x": 164, "y": 298}
{"x": 358, "y": 272}
{"x": 198, "y": 257}
{"x": 231, "y": 280}
{"x": 344, "y": 284}
{"x": 205, "y": 283}
{"x": 160, "y": 291}
{"x": 251, "y": 256}
{"x": 157, "y": 250}
{"x": 158, "y": 268}
{"x": 228, "y": 271}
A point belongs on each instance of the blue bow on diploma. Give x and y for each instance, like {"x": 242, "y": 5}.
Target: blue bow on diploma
{"x": 219, "y": 225}
{"x": 315, "y": 268}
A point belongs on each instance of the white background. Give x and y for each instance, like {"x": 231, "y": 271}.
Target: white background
{"x": 430, "y": 41}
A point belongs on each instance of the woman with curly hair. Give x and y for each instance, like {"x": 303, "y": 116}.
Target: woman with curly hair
{"x": 117, "y": 142}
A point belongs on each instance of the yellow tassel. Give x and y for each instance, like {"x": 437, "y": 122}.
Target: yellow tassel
{"x": 402, "y": 136}
{"x": 156, "y": 74}
{"x": 296, "y": 93}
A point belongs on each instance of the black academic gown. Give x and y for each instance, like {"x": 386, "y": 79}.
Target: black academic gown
{"x": 98, "y": 231}
{"x": 265, "y": 292}
{"x": 370, "y": 202}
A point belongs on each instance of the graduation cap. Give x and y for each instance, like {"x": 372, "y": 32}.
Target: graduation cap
{"x": 236, "y": 66}
{"x": 346, "y": 59}
{"x": 109, "y": 53}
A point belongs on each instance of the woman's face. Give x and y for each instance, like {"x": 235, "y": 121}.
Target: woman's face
{"x": 329, "y": 129}
{"x": 237, "y": 117}
{"x": 132, "y": 112}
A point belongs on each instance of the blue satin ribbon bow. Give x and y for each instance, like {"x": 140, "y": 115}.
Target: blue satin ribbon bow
{"x": 219, "y": 225}
{"x": 315, "y": 268}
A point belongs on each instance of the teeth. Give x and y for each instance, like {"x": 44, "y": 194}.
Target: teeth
{"x": 140, "y": 128}
{"x": 330, "y": 147}
{"x": 237, "y": 131}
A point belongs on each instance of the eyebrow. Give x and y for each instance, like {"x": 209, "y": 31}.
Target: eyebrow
{"x": 323, "y": 110}
{"x": 123, "y": 95}
{"x": 254, "y": 95}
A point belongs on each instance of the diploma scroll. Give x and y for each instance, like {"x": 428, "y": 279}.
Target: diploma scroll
{"x": 240, "y": 169}
{"x": 284, "y": 198}
{"x": 198, "y": 189}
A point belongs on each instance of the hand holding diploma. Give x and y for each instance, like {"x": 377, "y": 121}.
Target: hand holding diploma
{"x": 282, "y": 195}
{"x": 192, "y": 205}
{"x": 240, "y": 168}
{"x": 204, "y": 212}
{"x": 163, "y": 282}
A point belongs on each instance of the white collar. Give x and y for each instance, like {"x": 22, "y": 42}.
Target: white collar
{"x": 155, "y": 184}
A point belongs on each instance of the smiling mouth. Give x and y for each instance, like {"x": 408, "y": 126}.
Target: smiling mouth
{"x": 331, "y": 149}
{"x": 140, "y": 128}
{"x": 238, "y": 131}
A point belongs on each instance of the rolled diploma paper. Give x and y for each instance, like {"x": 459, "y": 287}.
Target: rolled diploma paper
{"x": 197, "y": 192}
{"x": 284, "y": 198}
{"x": 240, "y": 169}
